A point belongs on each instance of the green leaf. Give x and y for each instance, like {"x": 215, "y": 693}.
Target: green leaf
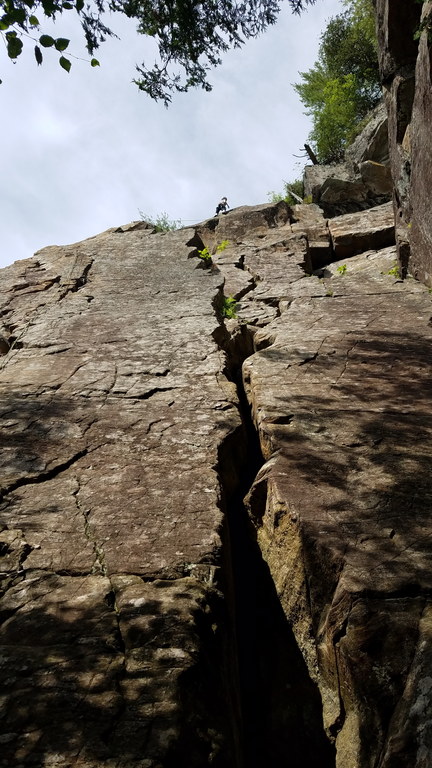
{"x": 67, "y": 6}
{"x": 95, "y": 63}
{"x": 46, "y": 41}
{"x": 33, "y": 21}
{"x": 38, "y": 54}
{"x": 79, "y": 5}
{"x": 65, "y": 63}
{"x": 49, "y": 7}
{"x": 14, "y": 45}
{"x": 61, "y": 44}
{"x": 4, "y": 24}
{"x": 19, "y": 16}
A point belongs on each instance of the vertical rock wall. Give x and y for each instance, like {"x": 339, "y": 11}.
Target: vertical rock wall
{"x": 340, "y": 395}
{"x": 406, "y": 77}
{"x": 149, "y": 617}
{"x": 115, "y": 638}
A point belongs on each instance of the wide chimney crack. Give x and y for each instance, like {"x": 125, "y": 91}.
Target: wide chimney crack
{"x": 281, "y": 708}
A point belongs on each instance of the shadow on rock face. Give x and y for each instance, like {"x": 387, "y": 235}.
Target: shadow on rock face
{"x": 351, "y": 484}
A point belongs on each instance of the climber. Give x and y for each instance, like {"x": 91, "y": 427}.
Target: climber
{"x": 222, "y": 206}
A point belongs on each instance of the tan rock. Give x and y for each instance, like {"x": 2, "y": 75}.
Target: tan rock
{"x": 335, "y": 392}
{"x": 364, "y": 231}
{"x": 376, "y": 177}
{"x": 146, "y": 621}
{"x": 116, "y": 408}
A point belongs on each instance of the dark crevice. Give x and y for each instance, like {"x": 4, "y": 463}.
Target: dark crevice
{"x": 286, "y": 419}
{"x": 29, "y": 288}
{"x": 281, "y": 709}
{"x": 108, "y": 734}
{"x": 150, "y": 393}
{"x": 43, "y": 476}
{"x": 74, "y": 284}
{"x": 309, "y": 359}
{"x": 248, "y": 289}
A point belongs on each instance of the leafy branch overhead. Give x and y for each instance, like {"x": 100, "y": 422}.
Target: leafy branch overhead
{"x": 20, "y": 22}
{"x": 191, "y": 36}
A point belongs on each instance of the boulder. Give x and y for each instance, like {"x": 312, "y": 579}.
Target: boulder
{"x": 377, "y": 179}
{"x": 357, "y": 232}
{"x": 372, "y": 141}
{"x": 362, "y": 181}
{"x": 337, "y": 193}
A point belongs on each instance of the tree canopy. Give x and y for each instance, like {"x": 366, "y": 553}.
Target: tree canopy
{"x": 191, "y": 36}
{"x": 344, "y": 84}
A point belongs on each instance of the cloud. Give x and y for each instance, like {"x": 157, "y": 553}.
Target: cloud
{"x": 84, "y": 151}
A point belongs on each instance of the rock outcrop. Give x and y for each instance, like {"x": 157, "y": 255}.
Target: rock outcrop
{"x": 406, "y": 77}
{"x": 363, "y": 180}
{"x": 340, "y": 397}
{"x": 150, "y": 618}
{"x": 115, "y": 409}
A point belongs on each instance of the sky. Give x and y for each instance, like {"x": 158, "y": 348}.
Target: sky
{"x": 86, "y": 150}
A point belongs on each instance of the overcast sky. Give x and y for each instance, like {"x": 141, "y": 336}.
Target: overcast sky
{"x": 85, "y": 151}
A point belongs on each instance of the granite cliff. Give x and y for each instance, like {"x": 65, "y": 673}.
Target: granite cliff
{"x": 215, "y": 531}
{"x": 215, "y": 524}
{"x": 406, "y": 76}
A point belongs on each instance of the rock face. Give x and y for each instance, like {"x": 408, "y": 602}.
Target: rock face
{"x": 362, "y": 181}
{"x": 339, "y": 393}
{"x": 357, "y": 232}
{"x": 150, "y": 618}
{"x": 115, "y": 408}
{"x": 406, "y": 76}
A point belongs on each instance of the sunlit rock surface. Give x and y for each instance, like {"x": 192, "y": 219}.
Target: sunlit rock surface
{"x": 114, "y": 406}
{"x": 148, "y": 618}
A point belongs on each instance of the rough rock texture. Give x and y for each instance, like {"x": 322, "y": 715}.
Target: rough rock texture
{"x": 149, "y": 620}
{"x": 372, "y": 141}
{"x": 420, "y": 232}
{"x": 115, "y": 408}
{"x": 357, "y": 232}
{"x": 406, "y": 75}
{"x": 362, "y": 181}
{"x": 340, "y": 396}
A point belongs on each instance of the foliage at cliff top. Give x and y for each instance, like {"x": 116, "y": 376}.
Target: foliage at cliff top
{"x": 191, "y": 36}
{"x": 343, "y": 85}
{"x": 295, "y": 186}
{"x": 161, "y": 222}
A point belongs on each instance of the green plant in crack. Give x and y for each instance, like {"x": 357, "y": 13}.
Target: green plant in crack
{"x": 425, "y": 24}
{"x": 342, "y": 269}
{"x": 221, "y": 247}
{"x": 205, "y": 255}
{"x": 229, "y": 307}
{"x": 394, "y": 271}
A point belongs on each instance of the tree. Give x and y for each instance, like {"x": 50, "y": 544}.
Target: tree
{"x": 334, "y": 122}
{"x": 191, "y": 35}
{"x": 344, "y": 84}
